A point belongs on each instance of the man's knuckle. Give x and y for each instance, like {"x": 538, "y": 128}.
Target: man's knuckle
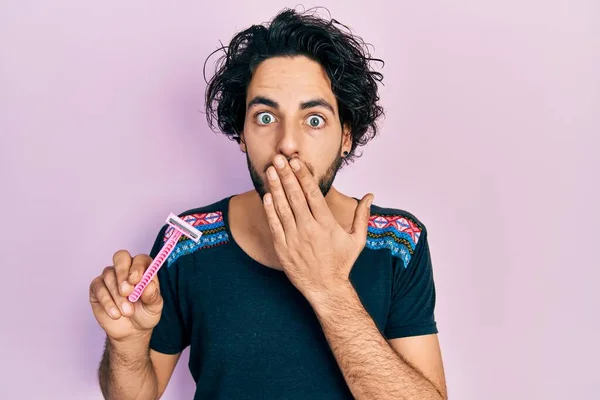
{"x": 296, "y": 196}
{"x": 103, "y": 296}
{"x": 95, "y": 284}
{"x": 278, "y": 239}
{"x": 141, "y": 258}
{"x": 119, "y": 254}
{"x": 155, "y": 295}
{"x": 313, "y": 193}
{"x": 284, "y": 211}
{"x": 108, "y": 276}
{"x": 293, "y": 241}
{"x": 286, "y": 173}
{"x": 140, "y": 262}
{"x": 310, "y": 228}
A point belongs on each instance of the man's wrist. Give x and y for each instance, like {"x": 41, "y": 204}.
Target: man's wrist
{"x": 329, "y": 300}
{"x": 133, "y": 351}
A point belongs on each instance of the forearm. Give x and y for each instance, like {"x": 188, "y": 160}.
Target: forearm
{"x": 126, "y": 371}
{"x": 371, "y": 367}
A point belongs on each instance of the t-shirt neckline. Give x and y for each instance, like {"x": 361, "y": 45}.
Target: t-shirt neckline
{"x": 224, "y": 208}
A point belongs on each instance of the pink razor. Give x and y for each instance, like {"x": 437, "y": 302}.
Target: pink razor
{"x": 180, "y": 227}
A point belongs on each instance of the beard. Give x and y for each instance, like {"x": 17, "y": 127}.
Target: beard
{"x": 325, "y": 182}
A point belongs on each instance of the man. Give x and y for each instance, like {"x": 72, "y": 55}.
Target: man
{"x": 295, "y": 291}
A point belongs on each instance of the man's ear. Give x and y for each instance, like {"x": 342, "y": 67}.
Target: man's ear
{"x": 242, "y": 143}
{"x": 346, "y": 139}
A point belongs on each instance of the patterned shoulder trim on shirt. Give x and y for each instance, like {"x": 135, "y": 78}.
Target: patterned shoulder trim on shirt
{"x": 397, "y": 233}
{"x": 213, "y": 230}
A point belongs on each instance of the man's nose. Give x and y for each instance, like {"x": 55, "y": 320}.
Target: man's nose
{"x": 288, "y": 142}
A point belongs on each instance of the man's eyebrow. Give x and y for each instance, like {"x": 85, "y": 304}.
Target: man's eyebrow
{"x": 264, "y": 101}
{"x": 303, "y": 106}
{"x": 317, "y": 103}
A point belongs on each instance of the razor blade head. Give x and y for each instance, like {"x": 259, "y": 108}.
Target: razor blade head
{"x": 184, "y": 227}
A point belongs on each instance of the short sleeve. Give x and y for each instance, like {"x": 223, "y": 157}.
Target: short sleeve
{"x": 413, "y": 294}
{"x": 169, "y": 335}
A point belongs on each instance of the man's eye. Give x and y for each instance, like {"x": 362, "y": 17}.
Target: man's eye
{"x": 315, "y": 121}
{"x": 265, "y": 118}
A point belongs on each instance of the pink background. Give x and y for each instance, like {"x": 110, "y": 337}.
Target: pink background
{"x": 491, "y": 139}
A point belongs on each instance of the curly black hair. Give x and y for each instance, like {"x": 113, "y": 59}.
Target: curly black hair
{"x": 344, "y": 57}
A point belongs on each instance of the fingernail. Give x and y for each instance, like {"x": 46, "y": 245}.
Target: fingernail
{"x": 295, "y": 164}
{"x": 370, "y": 201}
{"x": 272, "y": 174}
{"x": 268, "y": 199}
{"x": 127, "y": 308}
{"x": 114, "y": 312}
{"x": 125, "y": 287}
{"x": 279, "y": 162}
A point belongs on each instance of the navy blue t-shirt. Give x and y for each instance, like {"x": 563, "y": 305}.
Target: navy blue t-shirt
{"x": 253, "y": 335}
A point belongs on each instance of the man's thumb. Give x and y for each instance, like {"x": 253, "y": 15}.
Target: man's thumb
{"x": 361, "y": 216}
{"x": 151, "y": 297}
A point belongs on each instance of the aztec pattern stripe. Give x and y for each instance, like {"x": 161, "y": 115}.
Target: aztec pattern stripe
{"x": 396, "y": 233}
{"x": 213, "y": 231}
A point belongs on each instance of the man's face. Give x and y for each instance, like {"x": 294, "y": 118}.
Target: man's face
{"x": 291, "y": 110}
